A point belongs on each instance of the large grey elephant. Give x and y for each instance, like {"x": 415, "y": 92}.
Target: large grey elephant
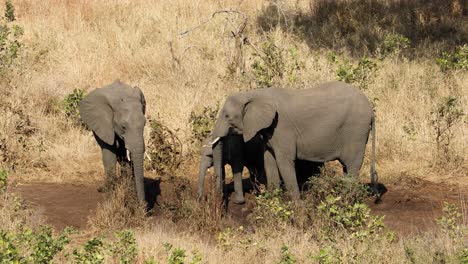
{"x": 116, "y": 115}
{"x": 237, "y": 154}
{"x": 328, "y": 122}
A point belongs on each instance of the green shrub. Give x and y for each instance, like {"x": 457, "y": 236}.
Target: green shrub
{"x": 451, "y": 221}
{"x": 286, "y": 256}
{"x": 70, "y": 105}
{"x": 339, "y": 204}
{"x": 360, "y": 73}
{"x": 10, "y": 35}
{"x": 91, "y": 253}
{"x": 9, "y": 11}
{"x": 327, "y": 255}
{"x": 445, "y": 116}
{"x": 164, "y": 148}
{"x": 393, "y": 44}
{"x": 3, "y": 180}
{"x": 45, "y": 246}
{"x": 272, "y": 208}
{"x": 27, "y": 246}
{"x": 202, "y": 123}
{"x": 126, "y": 248}
{"x": 454, "y": 61}
{"x": 274, "y": 63}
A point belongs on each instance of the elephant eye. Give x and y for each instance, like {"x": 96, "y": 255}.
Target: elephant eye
{"x": 227, "y": 116}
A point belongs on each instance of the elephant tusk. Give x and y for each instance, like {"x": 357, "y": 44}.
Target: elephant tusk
{"x": 128, "y": 156}
{"x": 215, "y": 140}
{"x": 146, "y": 154}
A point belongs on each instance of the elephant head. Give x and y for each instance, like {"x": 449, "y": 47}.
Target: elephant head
{"x": 117, "y": 113}
{"x": 245, "y": 113}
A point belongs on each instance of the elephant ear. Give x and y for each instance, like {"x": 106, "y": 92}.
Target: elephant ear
{"x": 97, "y": 114}
{"x": 258, "y": 114}
{"x": 142, "y": 99}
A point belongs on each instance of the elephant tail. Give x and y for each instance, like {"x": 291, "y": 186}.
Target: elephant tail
{"x": 373, "y": 173}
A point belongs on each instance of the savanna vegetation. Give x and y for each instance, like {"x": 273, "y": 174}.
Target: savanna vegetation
{"x": 409, "y": 57}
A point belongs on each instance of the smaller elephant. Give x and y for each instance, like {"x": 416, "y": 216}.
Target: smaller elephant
{"x": 237, "y": 154}
{"x": 116, "y": 115}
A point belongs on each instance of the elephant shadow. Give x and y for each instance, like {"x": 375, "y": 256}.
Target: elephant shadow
{"x": 152, "y": 191}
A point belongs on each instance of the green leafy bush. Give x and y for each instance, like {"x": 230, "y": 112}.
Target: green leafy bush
{"x": 27, "y": 246}
{"x": 91, "y": 253}
{"x": 274, "y": 63}
{"x": 272, "y": 208}
{"x": 164, "y": 148}
{"x": 10, "y": 35}
{"x": 393, "y": 44}
{"x": 70, "y": 105}
{"x": 445, "y": 116}
{"x": 454, "y": 61}
{"x": 126, "y": 248}
{"x": 3, "y": 180}
{"x": 202, "y": 123}
{"x": 360, "y": 73}
{"x": 286, "y": 256}
{"x": 451, "y": 222}
{"x": 178, "y": 255}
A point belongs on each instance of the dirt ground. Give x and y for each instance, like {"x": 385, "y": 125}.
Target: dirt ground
{"x": 407, "y": 210}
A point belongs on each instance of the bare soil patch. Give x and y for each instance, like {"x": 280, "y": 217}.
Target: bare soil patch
{"x": 409, "y": 208}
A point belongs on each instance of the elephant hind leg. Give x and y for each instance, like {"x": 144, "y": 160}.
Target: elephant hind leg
{"x": 352, "y": 159}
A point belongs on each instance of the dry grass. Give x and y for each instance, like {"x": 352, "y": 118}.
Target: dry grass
{"x": 88, "y": 44}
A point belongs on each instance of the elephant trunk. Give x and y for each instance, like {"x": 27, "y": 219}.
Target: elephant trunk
{"x": 137, "y": 159}
{"x": 218, "y": 164}
{"x": 205, "y": 163}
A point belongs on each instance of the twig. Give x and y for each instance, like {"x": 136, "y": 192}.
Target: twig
{"x": 186, "y": 32}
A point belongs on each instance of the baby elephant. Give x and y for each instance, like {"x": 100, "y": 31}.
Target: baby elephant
{"x": 237, "y": 154}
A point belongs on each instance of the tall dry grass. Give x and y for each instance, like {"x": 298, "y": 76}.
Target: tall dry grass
{"x": 87, "y": 44}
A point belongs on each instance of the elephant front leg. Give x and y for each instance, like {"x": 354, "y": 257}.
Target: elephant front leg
{"x": 288, "y": 174}
{"x": 109, "y": 161}
{"x": 271, "y": 171}
{"x": 238, "y": 188}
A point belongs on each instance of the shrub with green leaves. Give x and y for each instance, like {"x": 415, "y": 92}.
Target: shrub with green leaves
{"x": 3, "y": 179}
{"x": 457, "y": 60}
{"x": 451, "y": 221}
{"x": 274, "y": 63}
{"x": 360, "y": 73}
{"x": 91, "y": 253}
{"x": 272, "y": 208}
{"x": 286, "y": 256}
{"x": 10, "y": 36}
{"x": 164, "y": 148}
{"x": 70, "y": 105}
{"x": 393, "y": 44}
{"x": 445, "y": 117}
{"x": 202, "y": 123}
{"x": 178, "y": 255}
{"x": 28, "y": 246}
{"x": 126, "y": 248}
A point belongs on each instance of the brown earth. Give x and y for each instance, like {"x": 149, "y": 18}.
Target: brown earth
{"x": 409, "y": 208}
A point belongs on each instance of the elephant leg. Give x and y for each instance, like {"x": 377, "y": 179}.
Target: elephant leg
{"x": 271, "y": 171}
{"x": 288, "y": 174}
{"x": 205, "y": 163}
{"x": 238, "y": 188}
{"x": 352, "y": 159}
{"x": 109, "y": 161}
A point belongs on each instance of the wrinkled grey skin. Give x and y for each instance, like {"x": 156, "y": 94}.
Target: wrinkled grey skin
{"x": 116, "y": 115}
{"x": 237, "y": 154}
{"x": 328, "y": 122}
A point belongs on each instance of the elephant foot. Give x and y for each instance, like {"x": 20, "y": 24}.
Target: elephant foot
{"x": 104, "y": 188}
{"x": 238, "y": 199}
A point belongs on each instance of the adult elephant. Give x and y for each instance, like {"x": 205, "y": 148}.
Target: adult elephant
{"x": 116, "y": 115}
{"x": 328, "y": 122}
{"x": 237, "y": 154}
